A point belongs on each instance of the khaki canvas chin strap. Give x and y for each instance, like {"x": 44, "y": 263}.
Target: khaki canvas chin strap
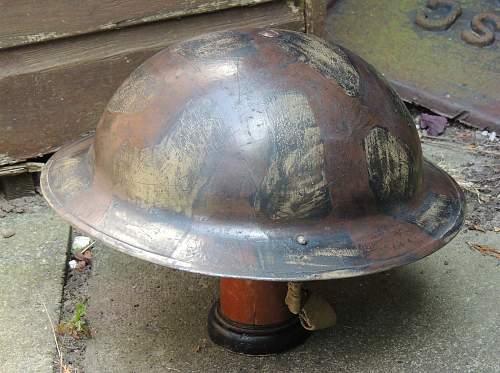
{"x": 314, "y": 311}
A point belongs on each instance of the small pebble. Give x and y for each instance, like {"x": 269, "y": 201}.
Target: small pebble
{"x": 7, "y": 208}
{"x": 69, "y": 307}
{"x": 80, "y": 266}
{"x": 80, "y": 242}
{"x": 445, "y": 262}
{"x": 19, "y": 210}
{"x": 301, "y": 240}
{"x": 6, "y": 233}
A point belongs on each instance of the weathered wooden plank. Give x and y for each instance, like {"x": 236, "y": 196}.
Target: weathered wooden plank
{"x": 55, "y": 92}
{"x": 16, "y": 186}
{"x": 315, "y": 15}
{"x": 21, "y": 168}
{"x": 32, "y": 21}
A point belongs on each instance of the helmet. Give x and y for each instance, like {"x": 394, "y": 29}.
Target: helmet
{"x": 260, "y": 154}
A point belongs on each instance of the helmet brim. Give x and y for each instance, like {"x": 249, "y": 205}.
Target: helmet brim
{"x": 329, "y": 249}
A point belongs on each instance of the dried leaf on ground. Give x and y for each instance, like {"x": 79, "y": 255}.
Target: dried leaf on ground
{"x": 85, "y": 257}
{"x": 7, "y": 233}
{"x": 477, "y": 227}
{"x": 80, "y": 266}
{"x": 484, "y": 249}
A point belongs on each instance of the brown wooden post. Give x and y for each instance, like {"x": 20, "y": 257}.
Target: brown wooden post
{"x": 315, "y": 16}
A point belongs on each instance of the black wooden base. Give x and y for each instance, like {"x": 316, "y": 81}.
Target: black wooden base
{"x": 254, "y": 339}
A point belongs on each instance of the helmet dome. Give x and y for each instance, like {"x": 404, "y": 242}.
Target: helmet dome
{"x": 259, "y": 153}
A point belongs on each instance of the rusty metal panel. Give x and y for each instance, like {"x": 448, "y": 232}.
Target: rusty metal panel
{"x": 434, "y": 64}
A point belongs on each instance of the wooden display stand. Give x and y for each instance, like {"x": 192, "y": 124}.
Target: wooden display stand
{"x": 251, "y": 317}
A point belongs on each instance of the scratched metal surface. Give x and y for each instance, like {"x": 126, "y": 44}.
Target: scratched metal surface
{"x": 218, "y": 153}
{"x": 434, "y": 68}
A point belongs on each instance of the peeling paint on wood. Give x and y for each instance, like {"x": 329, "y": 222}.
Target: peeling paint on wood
{"x": 315, "y": 12}
{"x": 37, "y": 38}
{"x": 20, "y": 168}
{"x": 5, "y": 159}
{"x": 295, "y": 185}
{"x": 55, "y": 19}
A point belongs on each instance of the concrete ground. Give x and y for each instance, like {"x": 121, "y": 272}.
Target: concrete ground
{"x": 31, "y": 278}
{"x": 441, "y": 314}
{"x": 438, "y": 315}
